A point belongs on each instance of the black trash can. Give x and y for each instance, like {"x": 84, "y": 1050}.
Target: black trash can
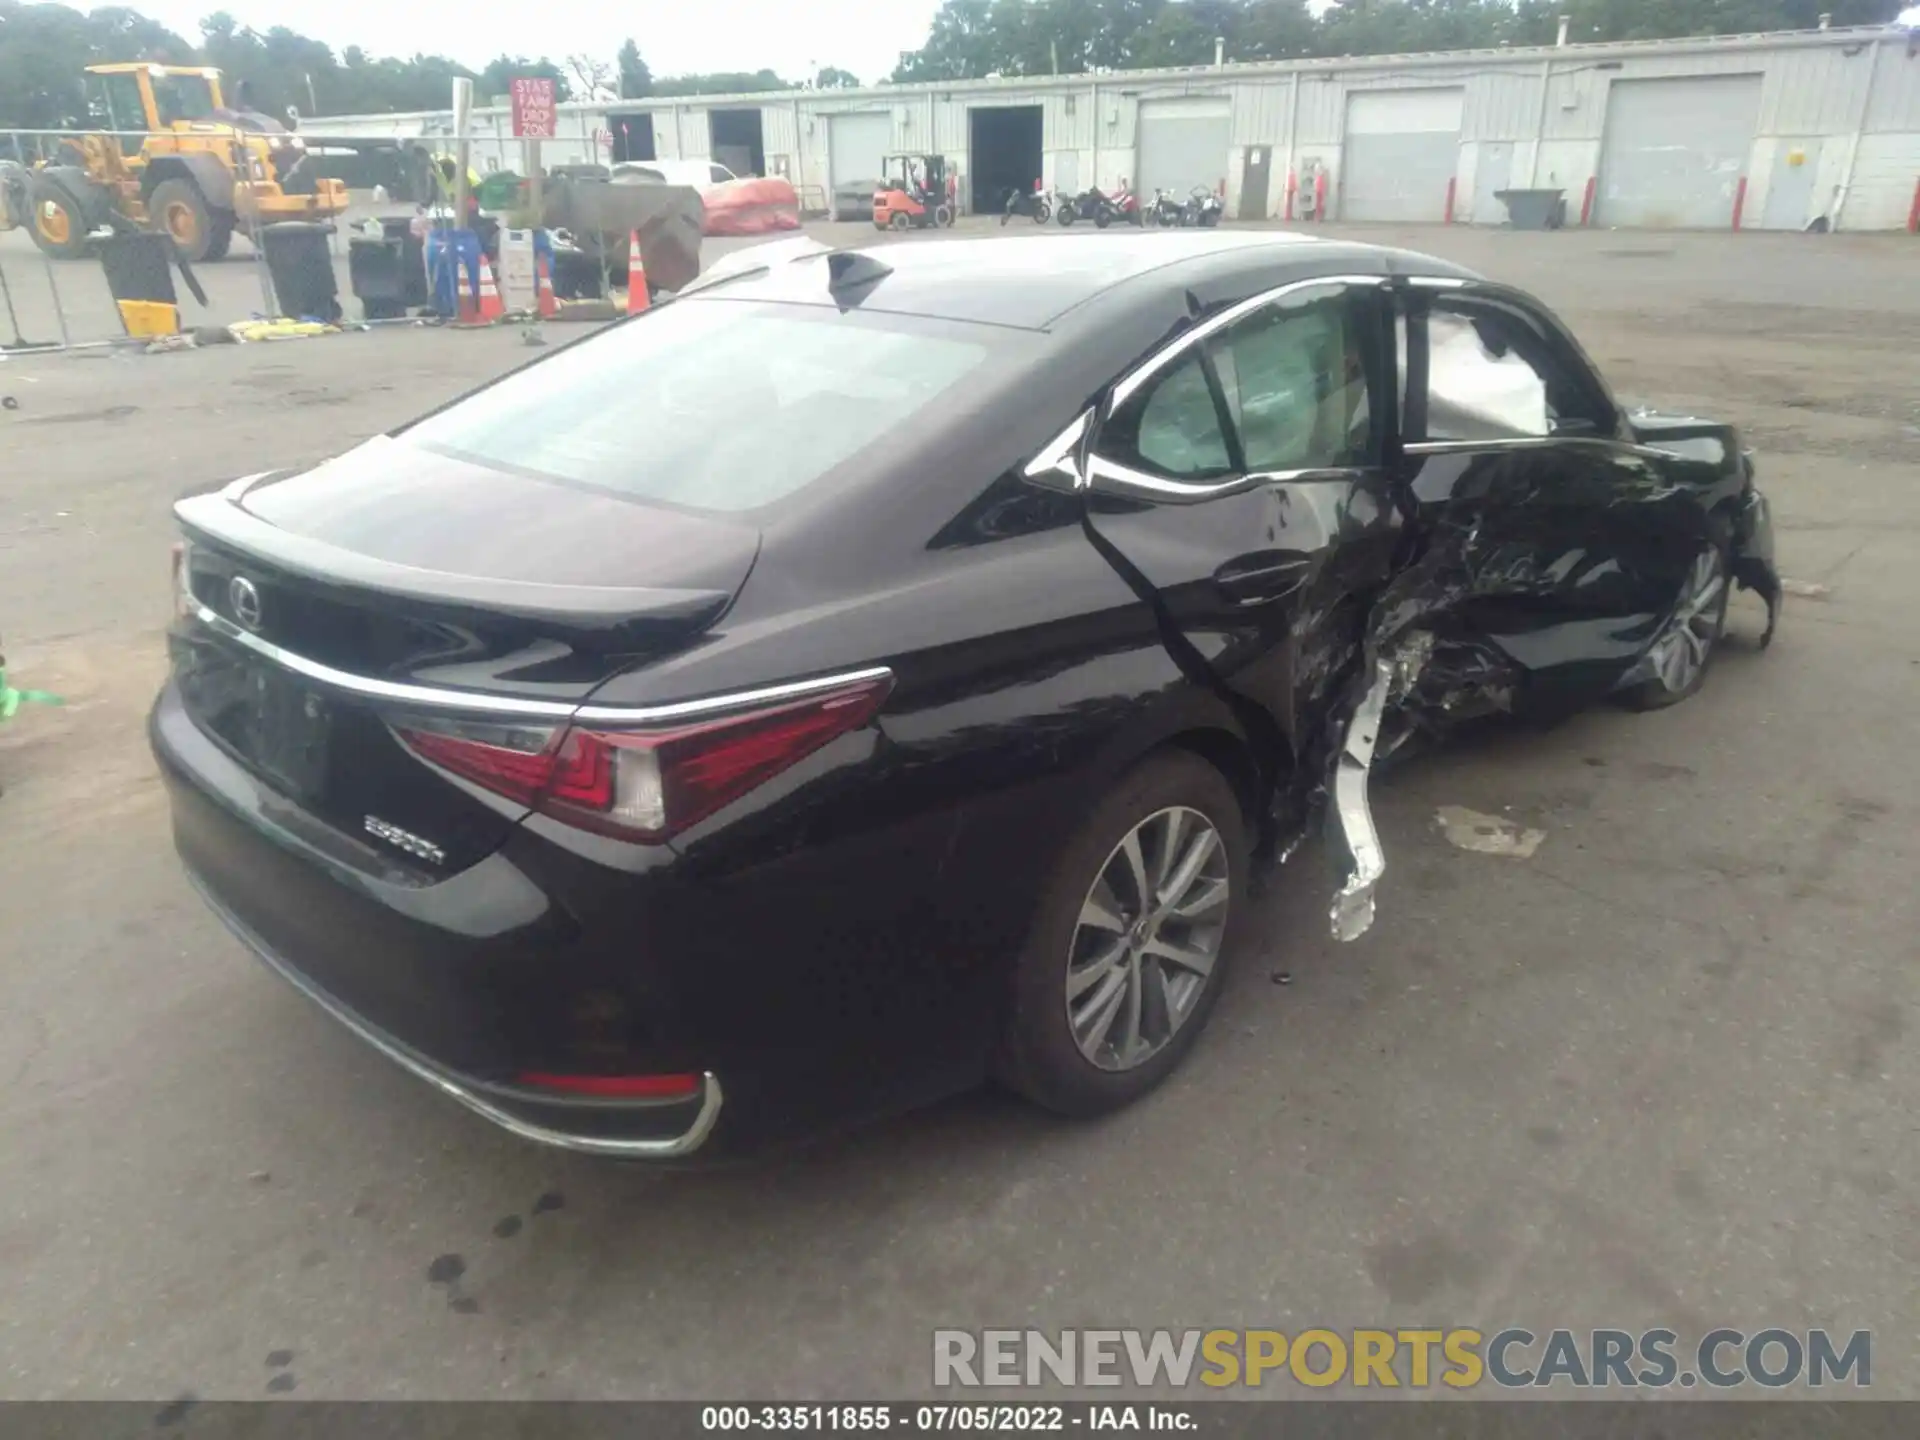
{"x": 301, "y": 265}
{"x": 139, "y": 266}
{"x": 376, "y": 269}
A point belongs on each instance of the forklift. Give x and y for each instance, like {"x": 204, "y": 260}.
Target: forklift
{"x": 916, "y": 191}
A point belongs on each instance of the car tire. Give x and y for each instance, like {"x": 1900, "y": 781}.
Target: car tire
{"x": 1683, "y": 652}
{"x": 1044, "y": 1053}
{"x": 899, "y": 220}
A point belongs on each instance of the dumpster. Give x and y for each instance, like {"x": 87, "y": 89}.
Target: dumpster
{"x": 301, "y": 266}
{"x": 1534, "y": 209}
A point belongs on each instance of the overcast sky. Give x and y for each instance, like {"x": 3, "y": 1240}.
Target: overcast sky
{"x": 675, "y": 38}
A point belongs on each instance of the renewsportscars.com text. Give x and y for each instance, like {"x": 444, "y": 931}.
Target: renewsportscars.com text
{"x": 1457, "y": 1359}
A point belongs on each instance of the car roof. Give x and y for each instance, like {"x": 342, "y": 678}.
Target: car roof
{"x": 1030, "y": 282}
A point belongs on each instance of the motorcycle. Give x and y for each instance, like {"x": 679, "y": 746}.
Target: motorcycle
{"x": 1022, "y": 202}
{"x": 1102, "y": 209}
{"x": 1123, "y": 204}
{"x": 1078, "y": 207}
{"x": 1166, "y": 211}
{"x": 1203, "y": 208}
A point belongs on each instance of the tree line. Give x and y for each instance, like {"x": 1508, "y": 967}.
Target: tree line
{"x": 973, "y": 39}
{"x": 45, "y": 48}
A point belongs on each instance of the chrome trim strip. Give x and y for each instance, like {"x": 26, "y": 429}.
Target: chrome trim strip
{"x": 733, "y": 700}
{"x": 1190, "y": 338}
{"x": 1536, "y": 442}
{"x": 683, "y": 1144}
{"x": 1057, "y": 456}
{"x": 430, "y": 697}
{"x": 382, "y": 689}
{"x": 1179, "y": 490}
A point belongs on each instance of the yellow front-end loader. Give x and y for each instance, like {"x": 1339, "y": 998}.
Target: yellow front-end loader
{"x": 172, "y": 157}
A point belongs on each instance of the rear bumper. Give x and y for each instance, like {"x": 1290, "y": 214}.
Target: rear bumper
{"x": 823, "y": 984}
{"x": 516, "y": 1115}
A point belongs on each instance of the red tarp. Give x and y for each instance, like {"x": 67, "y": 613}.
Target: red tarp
{"x": 751, "y": 207}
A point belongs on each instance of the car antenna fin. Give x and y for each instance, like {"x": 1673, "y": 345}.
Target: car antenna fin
{"x": 849, "y": 268}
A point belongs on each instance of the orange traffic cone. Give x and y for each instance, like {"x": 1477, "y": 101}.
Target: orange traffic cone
{"x": 466, "y": 286}
{"x": 549, "y": 304}
{"x": 491, "y": 307}
{"x": 637, "y": 298}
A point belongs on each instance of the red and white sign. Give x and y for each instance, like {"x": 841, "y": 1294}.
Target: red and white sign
{"x": 533, "y": 110}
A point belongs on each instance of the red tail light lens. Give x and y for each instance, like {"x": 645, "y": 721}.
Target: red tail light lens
{"x": 621, "y": 1087}
{"x": 643, "y": 784}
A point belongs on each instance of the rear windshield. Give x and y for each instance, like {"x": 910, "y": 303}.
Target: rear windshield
{"x": 710, "y": 404}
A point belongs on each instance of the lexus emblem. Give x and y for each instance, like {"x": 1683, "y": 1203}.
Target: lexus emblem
{"x": 245, "y": 601}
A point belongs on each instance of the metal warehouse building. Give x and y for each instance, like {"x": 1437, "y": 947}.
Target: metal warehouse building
{"x": 1777, "y": 131}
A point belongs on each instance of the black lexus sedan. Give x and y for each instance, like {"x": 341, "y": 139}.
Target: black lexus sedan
{"x": 872, "y": 672}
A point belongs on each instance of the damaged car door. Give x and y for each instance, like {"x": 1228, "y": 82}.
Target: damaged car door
{"x": 1556, "y": 554}
{"x": 1554, "y": 549}
{"x": 1237, "y": 480}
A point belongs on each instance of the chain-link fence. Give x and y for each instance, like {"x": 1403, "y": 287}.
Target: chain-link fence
{"x": 211, "y": 191}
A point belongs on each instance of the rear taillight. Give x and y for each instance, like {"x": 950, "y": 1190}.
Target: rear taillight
{"x": 642, "y": 784}
{"x": 617, "y": 1087}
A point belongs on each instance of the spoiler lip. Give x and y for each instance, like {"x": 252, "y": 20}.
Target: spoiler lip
{"x": 601, "y": 615}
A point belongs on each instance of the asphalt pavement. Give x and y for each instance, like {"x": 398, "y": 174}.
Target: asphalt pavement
{"x": 1660, "y": 1073}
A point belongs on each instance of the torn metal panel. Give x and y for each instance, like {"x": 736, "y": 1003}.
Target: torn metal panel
{"x": 1363, "y": 862}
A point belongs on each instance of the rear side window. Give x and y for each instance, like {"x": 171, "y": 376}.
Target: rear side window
{"x": 715, "y": 405}
{"x": 1295, "y": 381}
{"x": 1285, "y": 388}
{"x": 1172, "y": 428}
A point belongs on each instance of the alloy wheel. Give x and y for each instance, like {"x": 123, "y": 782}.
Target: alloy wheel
{"x": 1680, "y": 654}
{"x": 1147, "y": 939}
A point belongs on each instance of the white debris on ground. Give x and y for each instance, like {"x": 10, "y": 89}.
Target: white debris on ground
{"x": 1487, "y": 834}
{"x": 1805, "y": 589}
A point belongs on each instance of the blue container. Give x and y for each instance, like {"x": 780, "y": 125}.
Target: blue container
{"x": 453, "y": 260}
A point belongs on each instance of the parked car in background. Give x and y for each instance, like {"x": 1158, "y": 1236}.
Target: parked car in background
{"x": 701, "y": 174}
{"x": 734, "y": 206}
{"x": 871, "y": 672}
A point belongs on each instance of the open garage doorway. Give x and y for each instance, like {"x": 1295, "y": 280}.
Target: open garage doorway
{"x": 1003, "y": 153}
{"x": 632, "y": 134}
{"x": 737, "y": 141}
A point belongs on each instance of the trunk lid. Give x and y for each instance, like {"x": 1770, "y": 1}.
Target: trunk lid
{"x": 319, "y": 607}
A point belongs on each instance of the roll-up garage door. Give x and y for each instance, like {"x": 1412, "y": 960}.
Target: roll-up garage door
{"x": 1676, "y": 149}
{"x": 855, "y": 145}
{"x": 1183, "y": 143}
{"x": 1402, "y": 152}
